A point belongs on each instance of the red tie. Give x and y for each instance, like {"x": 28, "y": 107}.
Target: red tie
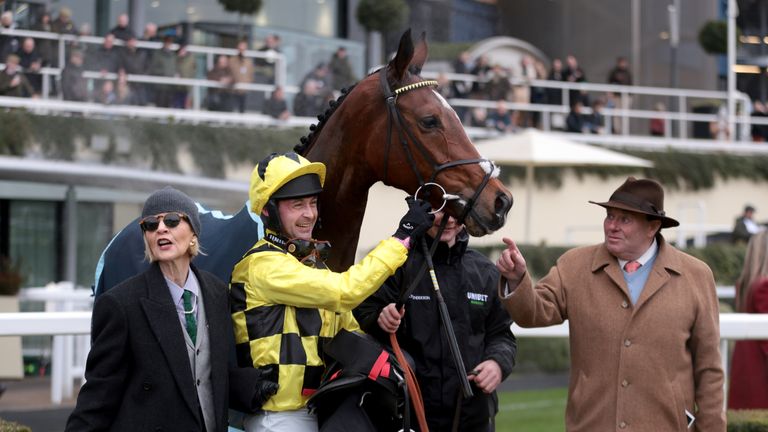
{"x": 631, "y": 266}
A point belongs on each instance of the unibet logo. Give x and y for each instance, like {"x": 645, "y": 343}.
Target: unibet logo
{"x": 476, "y": 298}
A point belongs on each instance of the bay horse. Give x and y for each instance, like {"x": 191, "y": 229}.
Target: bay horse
{"x": 404, "y": 138}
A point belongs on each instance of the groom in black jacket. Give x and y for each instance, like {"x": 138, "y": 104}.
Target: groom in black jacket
{"x": 468, "y": 282}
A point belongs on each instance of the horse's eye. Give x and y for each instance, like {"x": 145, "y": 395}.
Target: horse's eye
{"x": 430, "y": 122}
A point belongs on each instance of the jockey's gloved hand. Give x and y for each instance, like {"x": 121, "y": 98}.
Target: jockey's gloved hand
{"x": 264, "y": 390}
{"x": 416, "y": 221}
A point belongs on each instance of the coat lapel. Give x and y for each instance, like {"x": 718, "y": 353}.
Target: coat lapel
{"x": 164, "y": 321}
{"x": 216, "y": 306}
{"x": 604, "y": 260}
{"x": 659, "y": 276}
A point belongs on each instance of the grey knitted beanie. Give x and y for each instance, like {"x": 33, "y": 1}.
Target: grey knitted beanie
{"x": 169, "y": 199}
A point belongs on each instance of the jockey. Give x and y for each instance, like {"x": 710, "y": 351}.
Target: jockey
{"x": 285, "y": 303}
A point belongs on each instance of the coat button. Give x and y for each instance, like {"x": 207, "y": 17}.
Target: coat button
{"x": 198, "y": 382}
{"x": 627, "y": 342}
{"x": 624, "y": 383}
{"x": 623, "y": 425}
{"x": 624, "y": 304}
{"x": 146, "y": 386}
{"x": 198, "y": 351}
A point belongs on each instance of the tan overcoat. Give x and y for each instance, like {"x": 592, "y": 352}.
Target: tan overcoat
{"x": 633, "y": 367}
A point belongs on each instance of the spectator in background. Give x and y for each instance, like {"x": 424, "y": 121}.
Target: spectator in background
{"x": 321, "y": 76}
{"x": 522, "y": 91}
{"x": 462, "y": 65}
{"x": 150, "y": 33}
{"x": 106, "y": 93}
{"x": 749, "y": 367}
{"x": 265, "y": 67}
{"x": 8, "y": 44}
{"x": 309, "y": 102}
{"x": 745, "y": 226}
{"x": 656, "y": 125}
{"x": 575, "y": 120}
{"x": 243, "y": 71}
{"x": 74, "y": 87}
{"x": 555, "y": 95}
{"x": 444, "y": 87}
{"x": 275, "y": 106}
{"x": 573, "y": 73}
{"x": 498, "y": 86}
{"x": 478, "y": 117}
{"x": 124, "y": 94}
{"x": 134, "y": 62}
{"x": 461, "y": 89}
{"x": 12, "y": 80}
{"x": 596, "y": 120}
{"x": 106, "y": 59}
{"x": 163, "y": 63}
{"x": 480, "y": 71}
{"x": 341, "y": 70}
{"x": 123, "y": 30}
{"x": 46, "y": 47}
{"x": 759, "y": 132}
{"x": 219, "y": 99}
{"x": 620, "y": 73}
{"x": 63, "y": 23}
{"x": 31, "y": 62}
{"x": 500, "y": 119}
{"x": 185, "y": 68}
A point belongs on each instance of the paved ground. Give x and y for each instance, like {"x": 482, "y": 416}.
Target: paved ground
{"x": 29, "y": 401}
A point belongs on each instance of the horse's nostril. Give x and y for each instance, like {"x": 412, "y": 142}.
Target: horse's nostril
{"x": 503, "y": 204}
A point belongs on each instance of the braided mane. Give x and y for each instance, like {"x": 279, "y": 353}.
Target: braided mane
{"x": 314, "y": 129}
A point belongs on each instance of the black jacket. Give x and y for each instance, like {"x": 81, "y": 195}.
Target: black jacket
{"x": 138, "y": 373}
{"x": 468, "y": 282}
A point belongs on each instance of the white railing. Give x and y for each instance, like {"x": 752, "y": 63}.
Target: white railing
{"x": 70, "y": 346}
{"x": 732, "y": 327}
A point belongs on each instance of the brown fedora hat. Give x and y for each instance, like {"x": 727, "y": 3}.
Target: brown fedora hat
{"x": 640, "y": 196}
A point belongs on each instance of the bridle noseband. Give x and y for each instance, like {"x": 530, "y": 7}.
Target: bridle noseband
{"x": 405, "y": 135}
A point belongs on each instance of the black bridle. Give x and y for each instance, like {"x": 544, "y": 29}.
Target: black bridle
{"x": 405, "y": 136}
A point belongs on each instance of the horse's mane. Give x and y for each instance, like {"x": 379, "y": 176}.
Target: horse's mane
{"x": 306, "y": 141}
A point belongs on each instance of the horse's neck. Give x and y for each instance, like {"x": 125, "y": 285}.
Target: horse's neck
{"x": 345, "y": 194}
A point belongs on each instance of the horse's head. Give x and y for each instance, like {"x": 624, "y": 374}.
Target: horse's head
{"x": 426, "y": 142}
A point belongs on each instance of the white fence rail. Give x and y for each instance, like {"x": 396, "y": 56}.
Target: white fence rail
{"x": 66, "y": 324}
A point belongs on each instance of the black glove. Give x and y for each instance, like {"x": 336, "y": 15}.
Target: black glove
{"x": 264, "y": 390}
{"x": 249, "y": 389}
{"x": 416, "y": 221}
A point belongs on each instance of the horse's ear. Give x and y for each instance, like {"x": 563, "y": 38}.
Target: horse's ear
{"x": 420, "y": 55}
{"x": 399, "y": 65}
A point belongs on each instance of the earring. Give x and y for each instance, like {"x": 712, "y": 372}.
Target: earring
{"x": 192, "y": 243}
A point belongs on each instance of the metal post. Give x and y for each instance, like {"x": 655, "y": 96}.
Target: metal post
{"x": 137, "y": 10}
{"x": 681, "y": 108}
{"x": 528, "y": 201}
{"x": 46, "y": 85}
{"x": 70, "y": 236}
{"x": 196, "y": 95}
{"x": 724, "y": 359}
{"x": 674, "y": 41}
{"x": 636, "y": 56}
{"x": 733, "y": 12}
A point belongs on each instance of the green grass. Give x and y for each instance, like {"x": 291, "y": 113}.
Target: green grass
{"x": 532, "y": 411}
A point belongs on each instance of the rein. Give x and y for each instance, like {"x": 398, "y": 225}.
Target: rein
{"x": 406, "y": 136}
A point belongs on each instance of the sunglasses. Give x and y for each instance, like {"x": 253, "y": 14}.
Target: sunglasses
{"x": 171, "y": 220}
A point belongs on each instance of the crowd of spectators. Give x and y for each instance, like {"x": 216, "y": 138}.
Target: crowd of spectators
{"x": 25, "y": 57}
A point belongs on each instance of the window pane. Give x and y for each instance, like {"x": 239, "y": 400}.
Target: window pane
{"x": 94, "y": 230}
{"x": 33, "y": 240}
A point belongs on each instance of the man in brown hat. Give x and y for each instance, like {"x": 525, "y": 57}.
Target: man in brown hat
{"x": 643, "y": 320}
